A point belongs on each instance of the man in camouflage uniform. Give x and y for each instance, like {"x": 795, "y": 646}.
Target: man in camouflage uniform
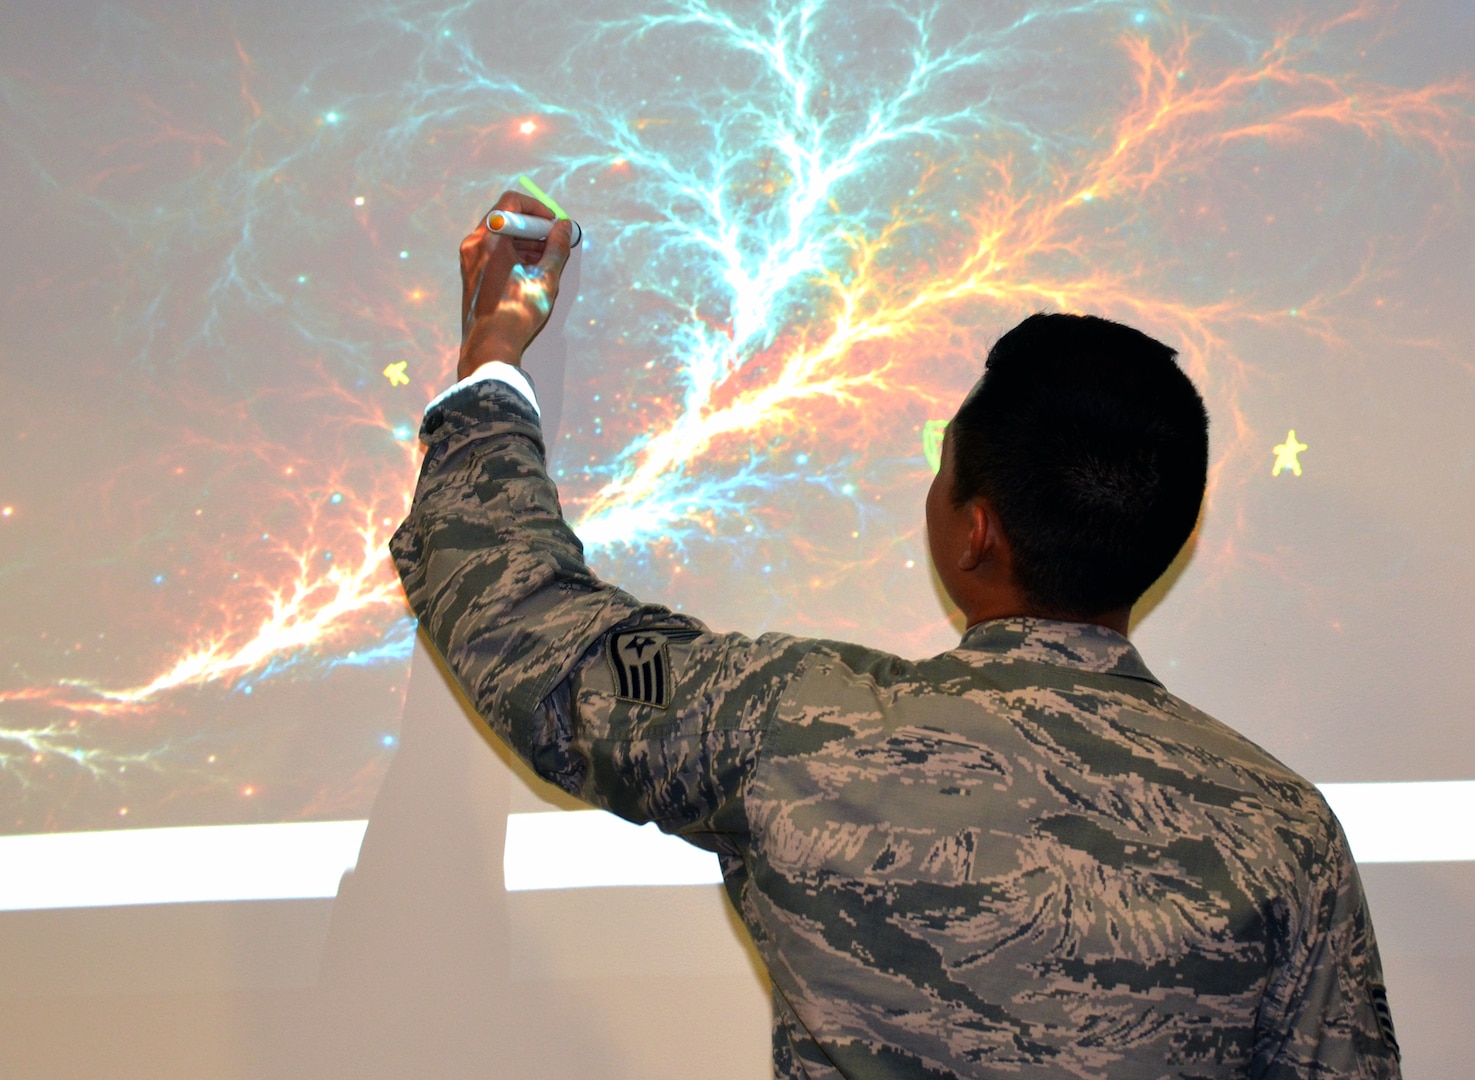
{"x": 1023, "y": 857}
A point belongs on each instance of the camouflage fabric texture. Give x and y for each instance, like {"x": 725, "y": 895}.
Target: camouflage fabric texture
{"x": 1020, "y": 858}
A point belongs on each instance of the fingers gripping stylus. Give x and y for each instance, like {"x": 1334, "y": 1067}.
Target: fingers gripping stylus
{"x": 527, "y": 226}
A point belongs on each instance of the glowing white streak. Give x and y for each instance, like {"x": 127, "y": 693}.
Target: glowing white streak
{"x": 297, "y": 619}
{"x": 1420, "y": 821}
{"x": 589, "y": 848}
{"x": 200, "y": 864}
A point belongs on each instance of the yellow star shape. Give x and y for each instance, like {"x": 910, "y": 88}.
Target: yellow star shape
{"x": 1288, "y": 455}
{"x": 395, "y": 373}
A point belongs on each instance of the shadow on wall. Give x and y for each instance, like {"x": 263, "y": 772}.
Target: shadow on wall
{"x": 414, "y": 974}
{"x": 414, "y": 979}
{"x": 416, "y": 961}
{"x": 432, "y": 969}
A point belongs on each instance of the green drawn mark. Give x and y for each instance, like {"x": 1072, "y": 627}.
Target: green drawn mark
{"x": 542, "y": 196}
{"x": 932, "y": 432}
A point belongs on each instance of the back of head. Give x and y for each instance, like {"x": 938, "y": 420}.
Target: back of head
{"x": 1092, "y": 446}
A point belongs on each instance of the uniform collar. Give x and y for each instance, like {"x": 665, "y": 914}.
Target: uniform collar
{"x": 1083, "y": 646}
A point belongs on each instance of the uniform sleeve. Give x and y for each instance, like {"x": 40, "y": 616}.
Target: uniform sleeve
{"x": 628, "y": 705}
{"x": 1326, "y": 1011}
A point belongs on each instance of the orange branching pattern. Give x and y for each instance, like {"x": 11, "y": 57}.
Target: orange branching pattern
{"x": 797, "y": 254}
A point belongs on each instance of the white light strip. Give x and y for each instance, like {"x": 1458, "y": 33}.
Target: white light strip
{"x": 1426, "y": 821}
{"x": 297, "y": 860}
{"x": 1420, "y": 821}
{"x": 583, "y": 849}
{"x": 1423, "y": 821}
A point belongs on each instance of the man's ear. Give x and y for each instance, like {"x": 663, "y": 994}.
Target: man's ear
{"x": 982, "y": 535}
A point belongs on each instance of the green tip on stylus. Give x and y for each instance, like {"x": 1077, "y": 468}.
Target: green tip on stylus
{"x": 542, "y": 196}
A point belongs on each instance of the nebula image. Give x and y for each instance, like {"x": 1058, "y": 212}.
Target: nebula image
{"x": 229, "y": 290}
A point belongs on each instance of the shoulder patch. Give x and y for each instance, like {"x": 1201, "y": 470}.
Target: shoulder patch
{"x": 642, "y": 665}
{"x": 1379, "y": 996}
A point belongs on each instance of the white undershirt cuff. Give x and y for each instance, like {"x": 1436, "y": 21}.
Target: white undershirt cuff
{"x": 508, "y": 374}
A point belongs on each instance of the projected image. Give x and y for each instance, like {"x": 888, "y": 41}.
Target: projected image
{"x": 804, "y": 225}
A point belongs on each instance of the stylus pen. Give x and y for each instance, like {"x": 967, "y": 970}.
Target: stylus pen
{"x": 527, "y": 226}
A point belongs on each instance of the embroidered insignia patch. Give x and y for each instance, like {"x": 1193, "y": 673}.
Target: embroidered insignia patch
{"x": 1379, "y": 996}
{"x": 641, "y": 666}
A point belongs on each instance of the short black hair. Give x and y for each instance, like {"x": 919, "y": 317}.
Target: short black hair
{"x": 1092, "y": 446}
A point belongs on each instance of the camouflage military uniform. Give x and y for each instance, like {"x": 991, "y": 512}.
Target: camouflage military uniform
{"x": 1023, "y": 857}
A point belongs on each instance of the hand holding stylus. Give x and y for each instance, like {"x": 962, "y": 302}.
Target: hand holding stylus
{"x": 508, "y": 285}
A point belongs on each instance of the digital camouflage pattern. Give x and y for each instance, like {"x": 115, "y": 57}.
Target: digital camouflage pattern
{"x": 1021, "y": 858}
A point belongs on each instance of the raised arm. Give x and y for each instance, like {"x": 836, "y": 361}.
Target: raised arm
{"x": 626, "y": 704}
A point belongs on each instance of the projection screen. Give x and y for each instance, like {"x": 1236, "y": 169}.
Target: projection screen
{"x": 246, "y": 825}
